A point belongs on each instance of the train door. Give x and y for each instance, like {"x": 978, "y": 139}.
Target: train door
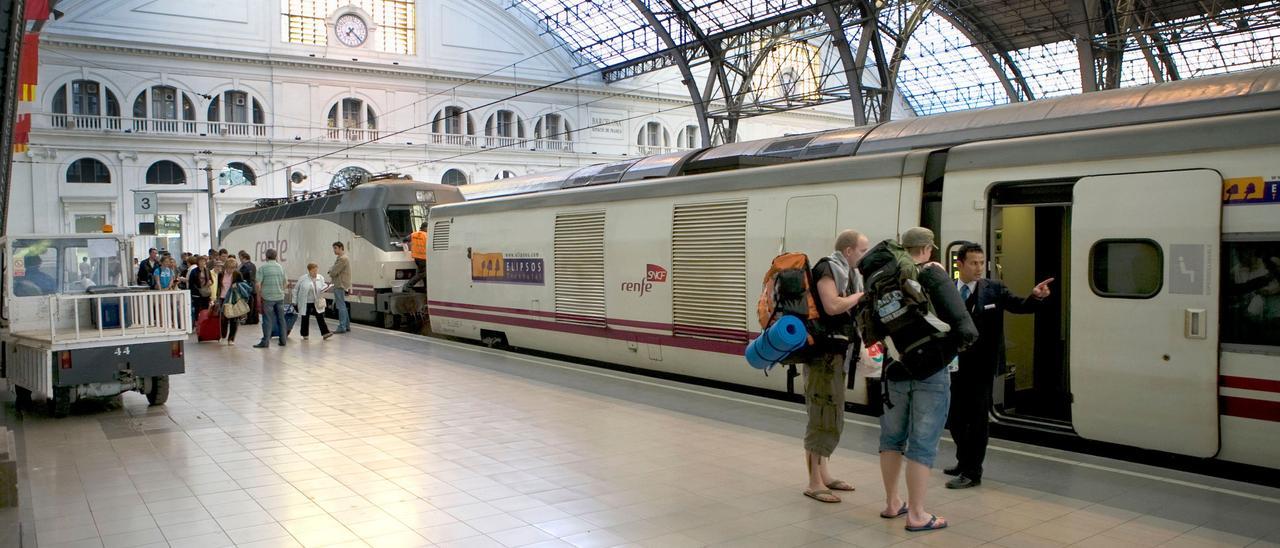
{"x": 1029, "y": 241}
{"x": 1144, "y": 310}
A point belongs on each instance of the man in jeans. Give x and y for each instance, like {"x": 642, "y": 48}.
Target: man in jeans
{"x": 340, "y": 277}
{"x": 916, "y": 410}
{"x": 271, "y": 285}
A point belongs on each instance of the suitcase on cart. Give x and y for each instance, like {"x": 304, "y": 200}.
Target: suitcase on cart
{"x": 207, "y": 326}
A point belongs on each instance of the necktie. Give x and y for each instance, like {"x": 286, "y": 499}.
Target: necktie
{"x": 964, "y": 292}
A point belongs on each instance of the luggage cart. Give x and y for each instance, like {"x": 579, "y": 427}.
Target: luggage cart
{"x": 71, "y": 328}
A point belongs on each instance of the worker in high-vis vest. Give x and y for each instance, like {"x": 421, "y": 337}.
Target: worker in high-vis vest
{"x": 418, "y": 249}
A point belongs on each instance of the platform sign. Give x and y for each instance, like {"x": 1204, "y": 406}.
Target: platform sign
{"x": 144, "y": 203}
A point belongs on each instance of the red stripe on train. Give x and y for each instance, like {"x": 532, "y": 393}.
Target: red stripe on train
{"x": 1250, "y": 408}
{"x": 656, "y": 326}
{"x": 1247, "y": 383}
{"x": 722, "y": 347}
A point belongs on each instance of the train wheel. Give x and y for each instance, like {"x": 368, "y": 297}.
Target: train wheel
{"x": 60, "y": 403}
{"x": 159, "y": 390}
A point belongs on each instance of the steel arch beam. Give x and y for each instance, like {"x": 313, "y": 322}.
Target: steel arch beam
{"x": 717, "y": 57}
{"x": 982, "y": 42}
{"x": 855, "y": 65}
{"x": 699, "y": 104}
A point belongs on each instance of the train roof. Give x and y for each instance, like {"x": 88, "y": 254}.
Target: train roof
{"x": 336, "y": 202}
{"x": 1243, "y": 92}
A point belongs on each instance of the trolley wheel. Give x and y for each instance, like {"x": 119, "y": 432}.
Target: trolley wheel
{"x": 60, "y": 403}
{"x": 23, "y": 400}
{"x": 159, "y": 390}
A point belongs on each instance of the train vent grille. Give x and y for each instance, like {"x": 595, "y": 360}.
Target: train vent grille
{"x": 440, "y": 236}
{"x": 579, "y": 268}
{"x": 709, "y": 270}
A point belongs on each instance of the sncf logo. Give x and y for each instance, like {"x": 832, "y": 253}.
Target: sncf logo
{"x": 652, "y": 274}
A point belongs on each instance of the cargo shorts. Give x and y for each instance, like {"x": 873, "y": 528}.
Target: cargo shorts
{"x": 824, "y": 386}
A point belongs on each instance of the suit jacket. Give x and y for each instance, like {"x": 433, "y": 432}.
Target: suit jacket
{"x": 987, "y": 305}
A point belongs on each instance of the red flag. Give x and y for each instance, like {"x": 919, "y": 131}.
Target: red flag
{"x": 22, "y": 133}
{"x": 37, "y": 10}
{"x": 29, "y": 67}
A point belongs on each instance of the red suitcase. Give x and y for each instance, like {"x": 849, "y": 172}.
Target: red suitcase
{"x": 207, "y": 326}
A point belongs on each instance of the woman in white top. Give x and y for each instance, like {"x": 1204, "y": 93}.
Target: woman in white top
{"x": 307, "y": 296}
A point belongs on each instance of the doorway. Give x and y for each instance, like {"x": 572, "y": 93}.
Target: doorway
{"x": 1028, "y": 242}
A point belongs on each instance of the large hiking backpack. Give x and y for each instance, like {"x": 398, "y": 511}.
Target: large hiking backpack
{"x": 896, "y": 311}
{"x": 787, "y": 291}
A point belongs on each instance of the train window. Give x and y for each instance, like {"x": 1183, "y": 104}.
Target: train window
{"x": 1251, "y": 292}
{"x": 331, "y": 203}
{"x": 403, "y": 220}
{"x": 277, "y": 212}
{"x": 1126, "y": 269}
{"x": 298, "y": 209}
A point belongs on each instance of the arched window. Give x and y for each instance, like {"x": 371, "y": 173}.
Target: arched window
{"x": 82, "y": 101}
{"x": 453, "y": 126}
{"x": 352, "y": 120}
{"x": 165, "y": 172}
{"x": 454, "y": 177}
{"x": 504, "y": 128}
{"x": 553, "y": 127}
{"x": 690, "y": 136}
{"x": 88, "y": 170}
{"x": 504, "y": 174}
{"x": 245, "y": 171}
{"x": 349, "y": 177}
{"x": 237, "y": 113}
{"x": 164, "y": 109}
{"x": 653, "y": 138}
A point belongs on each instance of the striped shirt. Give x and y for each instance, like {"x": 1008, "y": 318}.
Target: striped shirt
{"x": 271, "y": 276}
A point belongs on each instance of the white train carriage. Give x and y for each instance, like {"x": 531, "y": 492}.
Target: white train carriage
{"x": 72, "y": 329}
{"x": 370, "y": 220}
{"x": 1156, "y": 208}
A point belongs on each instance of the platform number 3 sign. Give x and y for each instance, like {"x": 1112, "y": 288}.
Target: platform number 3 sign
{"x": 144, "y": 203}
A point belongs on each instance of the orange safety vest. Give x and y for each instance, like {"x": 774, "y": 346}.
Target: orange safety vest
{"x": 418, "y": 245}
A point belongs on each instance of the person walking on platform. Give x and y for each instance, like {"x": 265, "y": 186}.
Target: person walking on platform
{"x": 986, "y": 301}
{"x": 249, "y": 272}
{"x": 227, "y": 280}
{"x": 838, "y": 291}
{"x": 917, "y": 383}
{"x": 340, "y": 276}
{"x": 308, "y": 297}
{"x": 271, "y": 289}
{"x": 418, "y": 249}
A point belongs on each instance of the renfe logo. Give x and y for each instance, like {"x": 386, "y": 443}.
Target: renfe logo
{"x": 652, "y": 274}
{"x": 281, "y": 247}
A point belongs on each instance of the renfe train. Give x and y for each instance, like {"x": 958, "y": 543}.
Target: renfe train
{"x": 1156, "y": 208}
{"x": 370, "y": 219}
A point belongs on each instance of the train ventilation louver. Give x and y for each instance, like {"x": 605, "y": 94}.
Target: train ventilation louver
{"x": 440, "y": 236}
{"x": 579, "y": 268}
{"x": 709, "y": 270}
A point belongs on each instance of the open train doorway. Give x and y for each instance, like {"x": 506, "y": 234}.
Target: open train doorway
{"x": 1029, "y": 241}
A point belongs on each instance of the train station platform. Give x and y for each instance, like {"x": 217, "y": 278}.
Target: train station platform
{"x": 378, "y": 438}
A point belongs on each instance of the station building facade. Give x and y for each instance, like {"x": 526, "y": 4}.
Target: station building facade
{"x": 152, "y": 95}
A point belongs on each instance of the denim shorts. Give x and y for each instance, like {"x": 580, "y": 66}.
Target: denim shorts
{"x": 914, "y": 424}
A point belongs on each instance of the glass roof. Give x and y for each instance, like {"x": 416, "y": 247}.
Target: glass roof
{"x": 942, "y": 70}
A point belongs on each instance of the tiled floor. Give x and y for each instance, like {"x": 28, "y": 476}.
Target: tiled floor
{"x": 385, "y": 440}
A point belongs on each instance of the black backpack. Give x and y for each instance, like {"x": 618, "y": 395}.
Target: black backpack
{"x": 896, "y": 310}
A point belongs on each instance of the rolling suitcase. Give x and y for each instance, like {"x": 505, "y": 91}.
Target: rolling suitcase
{"x": 207, "y": 326}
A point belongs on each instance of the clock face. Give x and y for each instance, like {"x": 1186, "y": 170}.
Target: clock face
{"x": 352, "y": 30}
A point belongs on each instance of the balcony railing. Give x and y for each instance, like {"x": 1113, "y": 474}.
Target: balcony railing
{"x": 237, "y": 129}
{"x": 352, "y": 134}
{"x": 646, "y": 150}
{"x": 553, "y": 145}
{"x": 87, "y": 122}
{"x": 456, "y": 139}
{"x": 492, "y": 141}
{"x": 160, "y": 125}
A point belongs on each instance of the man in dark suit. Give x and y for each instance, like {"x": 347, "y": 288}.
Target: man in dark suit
{"x": 148, "y": 266}
{"x": 987, "y": 301}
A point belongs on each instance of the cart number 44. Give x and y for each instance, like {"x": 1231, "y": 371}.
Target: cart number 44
{"x": 122, "y": 351}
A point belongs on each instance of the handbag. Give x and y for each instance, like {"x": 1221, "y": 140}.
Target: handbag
{"x": 236, "y": 309}
{"x": 320, "y": 301}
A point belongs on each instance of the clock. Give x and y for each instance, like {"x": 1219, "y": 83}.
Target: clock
{"x": 352, "y": 30}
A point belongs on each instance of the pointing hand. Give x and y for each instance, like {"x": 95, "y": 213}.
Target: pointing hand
{"x": 1041, "y": 289}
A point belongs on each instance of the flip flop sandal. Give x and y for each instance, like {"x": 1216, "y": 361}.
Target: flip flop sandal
{"x": 901, "y": 512}
{"x": 840, "y": 485}
{"x": 817, "y": 495}
{"x": 931, "y": 526}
